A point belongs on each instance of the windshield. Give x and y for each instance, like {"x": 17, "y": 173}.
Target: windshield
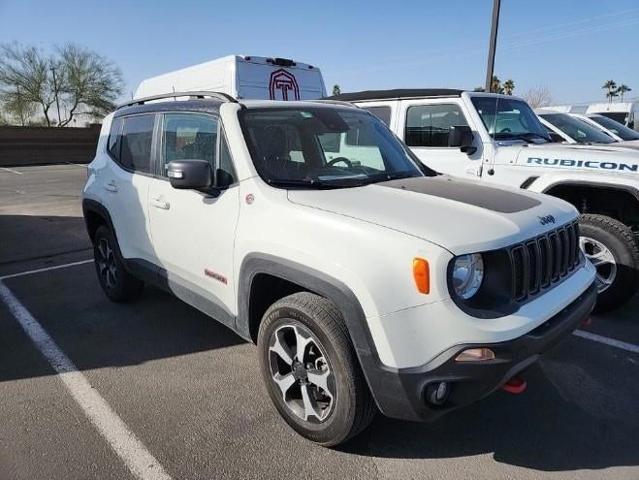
{"x": 577, "y": 129}
{"x": 506, "y": 118}
{"x": 615, "y": 127}
{"x": 324, "y": 148}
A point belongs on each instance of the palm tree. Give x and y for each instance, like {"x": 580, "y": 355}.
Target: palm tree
{"x": 623, "y": 89}
{"x": 509, "y": 86}
{"x": 611, "y": 86}
{"x": 495, "y": 86}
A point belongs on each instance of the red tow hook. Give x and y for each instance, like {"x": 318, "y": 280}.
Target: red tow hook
{"x": 515, "y": 385}
{"x": 587, "y": 321}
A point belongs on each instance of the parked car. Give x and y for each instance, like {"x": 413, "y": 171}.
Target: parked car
{"x": 622, "y": 112}
{"x": 616, "y": 130}
{"x": 497, "y": 139}
{"x": 573, "y": 130}
{"x": 367, "y": 280}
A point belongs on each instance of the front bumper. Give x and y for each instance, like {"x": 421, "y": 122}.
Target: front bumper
{"x": 400, "y": 393}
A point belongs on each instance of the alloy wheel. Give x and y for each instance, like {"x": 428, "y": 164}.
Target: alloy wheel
{"x": 603, "y": 260}
{"x": 300, "y": 369}
{"x": 107, "y": 267}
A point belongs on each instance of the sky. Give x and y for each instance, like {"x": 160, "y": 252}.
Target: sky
{"x": 569, "y": 46}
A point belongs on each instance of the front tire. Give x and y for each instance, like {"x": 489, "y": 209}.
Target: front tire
{"x": 118, "y": 284}
{"x": 611, "y": 247}
{"x": 310, "y": 369}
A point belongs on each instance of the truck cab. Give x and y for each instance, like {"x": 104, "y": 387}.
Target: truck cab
{"x": 498, "y": 139}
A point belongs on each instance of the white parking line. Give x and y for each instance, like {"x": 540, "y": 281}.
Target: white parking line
{"x": 44, "y": 269}
{"x": 607, "y": 341}
{"x": 11, "y": 170}
{"x": 122, "y": 440}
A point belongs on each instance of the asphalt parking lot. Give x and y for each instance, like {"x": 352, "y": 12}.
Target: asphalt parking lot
{"x": 189, "y": 391}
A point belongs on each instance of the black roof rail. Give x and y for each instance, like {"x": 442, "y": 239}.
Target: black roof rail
{"x": 397, "y": 94}
{"x": 335, "y": 102}
{"x": 200, "y": 94}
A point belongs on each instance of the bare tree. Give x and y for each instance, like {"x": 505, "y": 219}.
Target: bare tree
{"x": 86, "y": 79}
{"x": 25, "y": 69}
{"x": 74, "y": 79}
{"x": 18, "y": 108}
{"x": 538, "y": 97}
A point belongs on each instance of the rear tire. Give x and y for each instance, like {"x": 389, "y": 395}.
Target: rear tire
{"x": 612, "y": 248}
{"x": 340, "y": 405}
{"x": 118, "y": 284}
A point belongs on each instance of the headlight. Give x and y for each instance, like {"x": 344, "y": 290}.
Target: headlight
{"x": 468, "y": 273}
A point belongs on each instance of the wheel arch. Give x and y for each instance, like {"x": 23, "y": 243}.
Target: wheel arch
{"x": 614, "y": 200}
{"x": 95, "y": 214}
{"x": 307, "y": 279}
{"x": 257, "y": 266}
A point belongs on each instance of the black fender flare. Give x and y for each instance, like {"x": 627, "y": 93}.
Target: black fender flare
{"x": 382, "y": 381}
{"x": 93, "y": 206}
{"x": 610, "y": 186}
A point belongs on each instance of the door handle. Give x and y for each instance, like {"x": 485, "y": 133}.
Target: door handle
{"x": 111, "y": 186}
{"x": 161, "y": 204}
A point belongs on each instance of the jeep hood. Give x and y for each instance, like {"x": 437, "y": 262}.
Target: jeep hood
{"x": 599, "y": 158}
{"x": 458, "y": 215}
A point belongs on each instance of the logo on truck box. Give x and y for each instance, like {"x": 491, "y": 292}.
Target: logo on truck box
{"x": 285, "y": 82}
{"x": 557, "y": 162}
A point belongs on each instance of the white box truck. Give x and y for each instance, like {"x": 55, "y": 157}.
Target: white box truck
{"x": 241, "y": 76}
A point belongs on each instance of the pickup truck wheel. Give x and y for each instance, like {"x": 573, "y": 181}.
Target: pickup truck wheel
{"x": 611, "y": 247}
{"x": 311, "y": 371}
{"x": 118, "y": 284}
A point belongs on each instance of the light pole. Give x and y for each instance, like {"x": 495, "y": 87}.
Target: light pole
{"x": 491, "y": 46}
{"x": 55, "y": 93}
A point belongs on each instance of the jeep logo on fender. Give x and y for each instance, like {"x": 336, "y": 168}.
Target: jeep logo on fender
{"x": 547, "y": 219}
{"x": 284, "y": 81}
{"x": 556, "y": 162}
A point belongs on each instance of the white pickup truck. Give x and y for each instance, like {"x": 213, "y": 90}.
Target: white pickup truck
{"x": 498, "y": 139}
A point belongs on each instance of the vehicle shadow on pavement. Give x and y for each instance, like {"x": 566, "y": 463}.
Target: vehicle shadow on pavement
{"x": 95, "y": 333}
{"x": 26, "y": 237}
{"x": 545, "y": 429}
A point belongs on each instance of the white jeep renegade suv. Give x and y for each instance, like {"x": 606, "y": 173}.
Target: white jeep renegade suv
{"x": 368, "y": 281}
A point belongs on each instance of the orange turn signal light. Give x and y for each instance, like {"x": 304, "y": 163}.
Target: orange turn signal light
{"x": 421, "y": 274}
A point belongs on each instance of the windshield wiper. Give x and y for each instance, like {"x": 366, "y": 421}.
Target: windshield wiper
{"x": 315, "y": 183}
{"x": 526, "y": 136}
{"x": 385, "y": 177}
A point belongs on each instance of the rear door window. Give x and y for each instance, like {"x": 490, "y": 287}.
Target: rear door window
{"x": 137, "y": 140}
{"x": 429, "y": 125}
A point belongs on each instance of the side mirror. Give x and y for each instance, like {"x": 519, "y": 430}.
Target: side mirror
{"x": 190, "y": 174}
{"x": 461, "y": 136}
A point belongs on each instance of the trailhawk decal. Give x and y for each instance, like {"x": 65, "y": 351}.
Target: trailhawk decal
{"x": 557, "y": 162}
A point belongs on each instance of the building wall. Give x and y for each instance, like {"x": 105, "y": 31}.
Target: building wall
{"x": 42, "y": 145}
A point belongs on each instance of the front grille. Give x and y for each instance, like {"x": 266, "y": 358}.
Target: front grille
{"x": 543, "y": 261}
